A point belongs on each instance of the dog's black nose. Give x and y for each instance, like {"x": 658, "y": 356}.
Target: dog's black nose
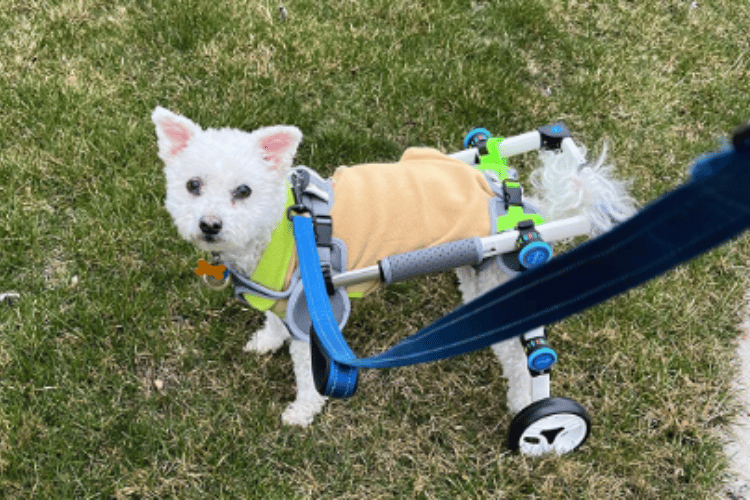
{"x": 210, "y": 225}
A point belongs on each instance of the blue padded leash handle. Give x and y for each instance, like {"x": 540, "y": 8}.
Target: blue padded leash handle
{"x": 697, "y": 216}
{"x": 326, "y": 342}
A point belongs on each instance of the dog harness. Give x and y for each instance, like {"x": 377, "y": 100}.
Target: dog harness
{"x": 425, "y": 199}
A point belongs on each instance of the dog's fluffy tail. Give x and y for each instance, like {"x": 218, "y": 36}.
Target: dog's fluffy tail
{"x": 568, "y": 189}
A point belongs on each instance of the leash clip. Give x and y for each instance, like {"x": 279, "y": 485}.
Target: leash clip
{"x": 299, "y": 180}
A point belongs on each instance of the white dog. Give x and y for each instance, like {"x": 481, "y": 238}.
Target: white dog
{"x": 227, "y": 192}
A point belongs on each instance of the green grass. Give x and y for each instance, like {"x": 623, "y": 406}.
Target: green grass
{"x": 109, "y": 302}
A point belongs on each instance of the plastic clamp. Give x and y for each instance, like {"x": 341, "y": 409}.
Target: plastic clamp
{"x": 477, "y": 138}
{"x": 533, "y": 251}
{"x": 540, "y": 356}
{"x": 552, "y": 135}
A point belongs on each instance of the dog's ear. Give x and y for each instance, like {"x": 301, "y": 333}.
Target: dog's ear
{"x": 277, "y": 146}
{"x": 173, "y": 131}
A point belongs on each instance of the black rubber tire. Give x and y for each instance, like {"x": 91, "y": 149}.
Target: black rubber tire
{"x": 558, "y": 425}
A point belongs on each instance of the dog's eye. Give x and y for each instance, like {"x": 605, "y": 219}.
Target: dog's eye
{"x": 194, "y": 186}
{"x": 241, "y": 192}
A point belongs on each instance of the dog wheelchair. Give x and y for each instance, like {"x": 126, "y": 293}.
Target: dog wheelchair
{"x": 704, "y": 212}
{"x": 548, "y": 424}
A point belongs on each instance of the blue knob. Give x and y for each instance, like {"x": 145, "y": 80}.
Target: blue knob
{"x": 534, "y": 254}
{"x": 542, "y": 359}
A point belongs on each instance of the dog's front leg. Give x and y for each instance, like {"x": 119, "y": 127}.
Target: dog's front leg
{"x": 270, "y": 337}
{"x": 309, "y": 402}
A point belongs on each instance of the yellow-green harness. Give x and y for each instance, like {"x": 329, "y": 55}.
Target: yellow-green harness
{"x": 273, "y": 266}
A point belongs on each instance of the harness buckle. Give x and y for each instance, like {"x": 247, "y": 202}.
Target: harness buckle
{"x": 323, "y": 226}
{"x": 512, "y": 193}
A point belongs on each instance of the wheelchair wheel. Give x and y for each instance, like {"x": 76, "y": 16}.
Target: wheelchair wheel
{"x": 551, "y": 425}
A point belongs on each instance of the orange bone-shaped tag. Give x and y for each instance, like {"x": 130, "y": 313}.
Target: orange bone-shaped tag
{"x": 205, "y": 268}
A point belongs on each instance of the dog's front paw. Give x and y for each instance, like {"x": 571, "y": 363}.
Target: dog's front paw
{"x": 264, "y": 342}
{"x": 270, "y": 337}
{"x": 302, "y": 413}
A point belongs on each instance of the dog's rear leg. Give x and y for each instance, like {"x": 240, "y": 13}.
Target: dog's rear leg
{"x": 270, "y": 337}
{"x": 512, "y": 358}
{"x": 309, "y": 402}
{"x": 510, "y": 352}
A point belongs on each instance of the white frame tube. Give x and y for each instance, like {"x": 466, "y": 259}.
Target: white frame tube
{"x": 492, "y": 245}
{"x": 469, "y": 156}
{"x": 569, "y": 148}
{"x": 519, "y": 144}
{"x": 540, "y": 388}
{"x": 551, "y": 231}
{"x": 510, "y": 146}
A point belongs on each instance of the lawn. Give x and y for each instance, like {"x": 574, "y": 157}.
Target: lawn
{"x": 121, "y": 377}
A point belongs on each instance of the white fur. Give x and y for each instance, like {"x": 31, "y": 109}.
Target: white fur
{"x": 568, "y": 189}
{"x": 227, "y": 158}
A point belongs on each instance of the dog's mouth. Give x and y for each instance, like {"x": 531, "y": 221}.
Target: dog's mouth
{"x": 209, "y": 240}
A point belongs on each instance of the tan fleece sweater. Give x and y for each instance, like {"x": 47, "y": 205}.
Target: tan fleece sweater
{"x": 425, "y": 199}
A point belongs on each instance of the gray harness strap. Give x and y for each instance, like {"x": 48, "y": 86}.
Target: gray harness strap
{"x": 243, "y": 284}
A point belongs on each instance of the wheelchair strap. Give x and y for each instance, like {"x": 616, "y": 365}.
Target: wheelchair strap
{"x": 710, "y": 208}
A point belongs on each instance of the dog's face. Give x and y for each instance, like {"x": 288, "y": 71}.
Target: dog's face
{"x": 225, "y": 188}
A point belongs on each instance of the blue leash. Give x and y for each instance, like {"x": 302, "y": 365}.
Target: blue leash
{"x": 713, "y": 206}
